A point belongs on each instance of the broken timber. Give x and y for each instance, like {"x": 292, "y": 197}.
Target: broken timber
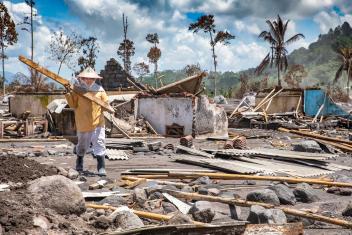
{"x": 245, "y": 203}
{"x": 64, "y": 82}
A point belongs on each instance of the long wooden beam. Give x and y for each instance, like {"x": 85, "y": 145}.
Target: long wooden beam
{"x": 224, "y": 176}
{"x": 64, "y": 82}
{"x": 245, "y": 203}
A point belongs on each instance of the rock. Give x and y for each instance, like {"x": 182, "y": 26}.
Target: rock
{"x": 154, "y": 206}
{"x": 58, "y": 193}
{"x": 169, "y": 207}
{"x": 345, "y": 192}
{"x": 305, "y": 193}
{"x": 62, "y": 171}
{"x": 203, "y": 191}
{"x": 250, "y": 182}
{"x": 201, "y": 180}
{"x": 42, "y": 222}
{"x": 72, "y": 174}
{"x": 278, "y": 216}
{"x": 187, "y": 189}
{"x": 307, "y": 146}
{"x": 156, "y": 195}
{"x": 169, "y": 187}
{"x": 102, "y": 222}
{"x": 123, "y": 217}
{"x": 219, "y": 99}
{"x": 284, "y": 193}
{"x": 180, "y": 218}
{"x": 294, "y": 219}
{"x": 220, "y": 210}
{"x": 258, "y": 215}
{"x": 214, "y": 192}
{"x": 139, "y": 196}
{"x": 100, "y": 212}
{"x": 263, "y": 195}
{"x": 114, "y": 200}
{"x": 205, "y": 216}
{"x": 348, "y": 210}
{"x": 51, "y": 152}
{"x": 333, "y": 190}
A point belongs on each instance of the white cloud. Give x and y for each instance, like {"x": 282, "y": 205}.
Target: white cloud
{"x": 328, "y": 20}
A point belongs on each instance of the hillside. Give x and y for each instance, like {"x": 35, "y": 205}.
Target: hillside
{"x": 319, "y": 63}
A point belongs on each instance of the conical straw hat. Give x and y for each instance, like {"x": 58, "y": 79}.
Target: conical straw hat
{"x": 89, "y": 73}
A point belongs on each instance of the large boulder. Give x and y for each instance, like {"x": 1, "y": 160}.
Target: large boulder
{"x": 124, "y": 218}
{"x": 205, "y": 211}
{"x": 305, "y": 193}
{"x": 307, "y": 146}
{"x": 58, "y": 193}
{"x": 284, "y": 193}
{"x": 264, "y": 195}
{"x": 260, "y": 215}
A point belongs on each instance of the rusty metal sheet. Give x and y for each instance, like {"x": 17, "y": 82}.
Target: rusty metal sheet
{"x": 189, "y": 85}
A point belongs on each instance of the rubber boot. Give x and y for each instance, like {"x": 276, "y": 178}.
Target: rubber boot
{"x": 79, "y": 163}
{"x": 101, "y": 165}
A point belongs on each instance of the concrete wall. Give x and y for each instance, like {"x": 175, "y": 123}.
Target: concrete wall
{"x": 210, "y": 118}
{"x": 284, "y": 102}
{"x": 36, "y": 103}
{"x": 163, "y": 111}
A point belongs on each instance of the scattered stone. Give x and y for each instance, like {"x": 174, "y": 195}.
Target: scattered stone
{"x": 258, "y": 215}
{"x": 100, "y": 212}
{"x": 307, "y": 146}
{"x": 250, "y": 182}
{"x": 333, "y": 190}
{"x": 62, "y": 171}
{"x": 220, "y": 210}
{"x": 187, "y": 189}
{"x": 169, "y": 187}
{"x": 153, "y": 206}
{"x": 214, "y": 192}
{"x": 348, "y": 210}
{"x": 345, "y": 192}
{"x": 114, "y": 200}
{"x": 58, "y": 193}
{"x": 201, "y": 180}
{"x": 169, "y": 207}
{"x": 284, "y": 193}
{"x": 203, "y": 191}
{"x": 52, "y": 152}
{"x": 72, "y": 174}
{"x": 102, "y": 222}
{"x": 180, "y": 218}
{"x": 155, "y": 146}
{"x": 205, "y": 216}
{"x": 156, "y": 195}
{"x": 264, "y": 195}
{"x": 123, "y": 217}
{"x": 139, "y": 196}
{"x": 41, "y": 221}
{"x": 305, "y": 193}
{"x": 278, "y": 217}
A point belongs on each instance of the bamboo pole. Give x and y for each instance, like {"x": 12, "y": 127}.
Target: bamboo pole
{"x": 272, "y": 97}
{"x": 316, "y": 136}
{"x": 298, "y": 104}
{"x": 245, "y": 203}
{"x": 143, "y": 214}
{"x": 265, "y": 98}
{"x": 225, "y": 176}
{"x": 156, "y": 181}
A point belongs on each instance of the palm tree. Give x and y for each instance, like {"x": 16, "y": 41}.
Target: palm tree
{"x": 345, "y": 55}
{"x": 276, "y": 38}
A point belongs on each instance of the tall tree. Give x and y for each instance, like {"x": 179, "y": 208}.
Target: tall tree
{"x": 276, "y": 38}
{"x": 154, "y": 53}
{"x": 192, "y": 69}
{"x": 90, "y": 50}
{"x": 126, "y": 47}
{"x": 206, "y": 24}
{"x": 63, "y": 48}
{"x": 141, "y": 69}
{"x": 345, "y": 55}
{"x": 8, "y": 36}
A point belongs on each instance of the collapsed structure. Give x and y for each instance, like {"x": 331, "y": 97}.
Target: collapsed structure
{"x": 275, "y": 162}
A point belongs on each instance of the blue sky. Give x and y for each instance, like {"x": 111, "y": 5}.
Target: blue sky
{"x": 170, "y": 19}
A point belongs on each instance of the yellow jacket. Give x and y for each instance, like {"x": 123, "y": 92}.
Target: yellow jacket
{"x": 88, "y": 115}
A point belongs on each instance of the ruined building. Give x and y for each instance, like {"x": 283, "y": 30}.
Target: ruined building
{"x": 114, "y": 76}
